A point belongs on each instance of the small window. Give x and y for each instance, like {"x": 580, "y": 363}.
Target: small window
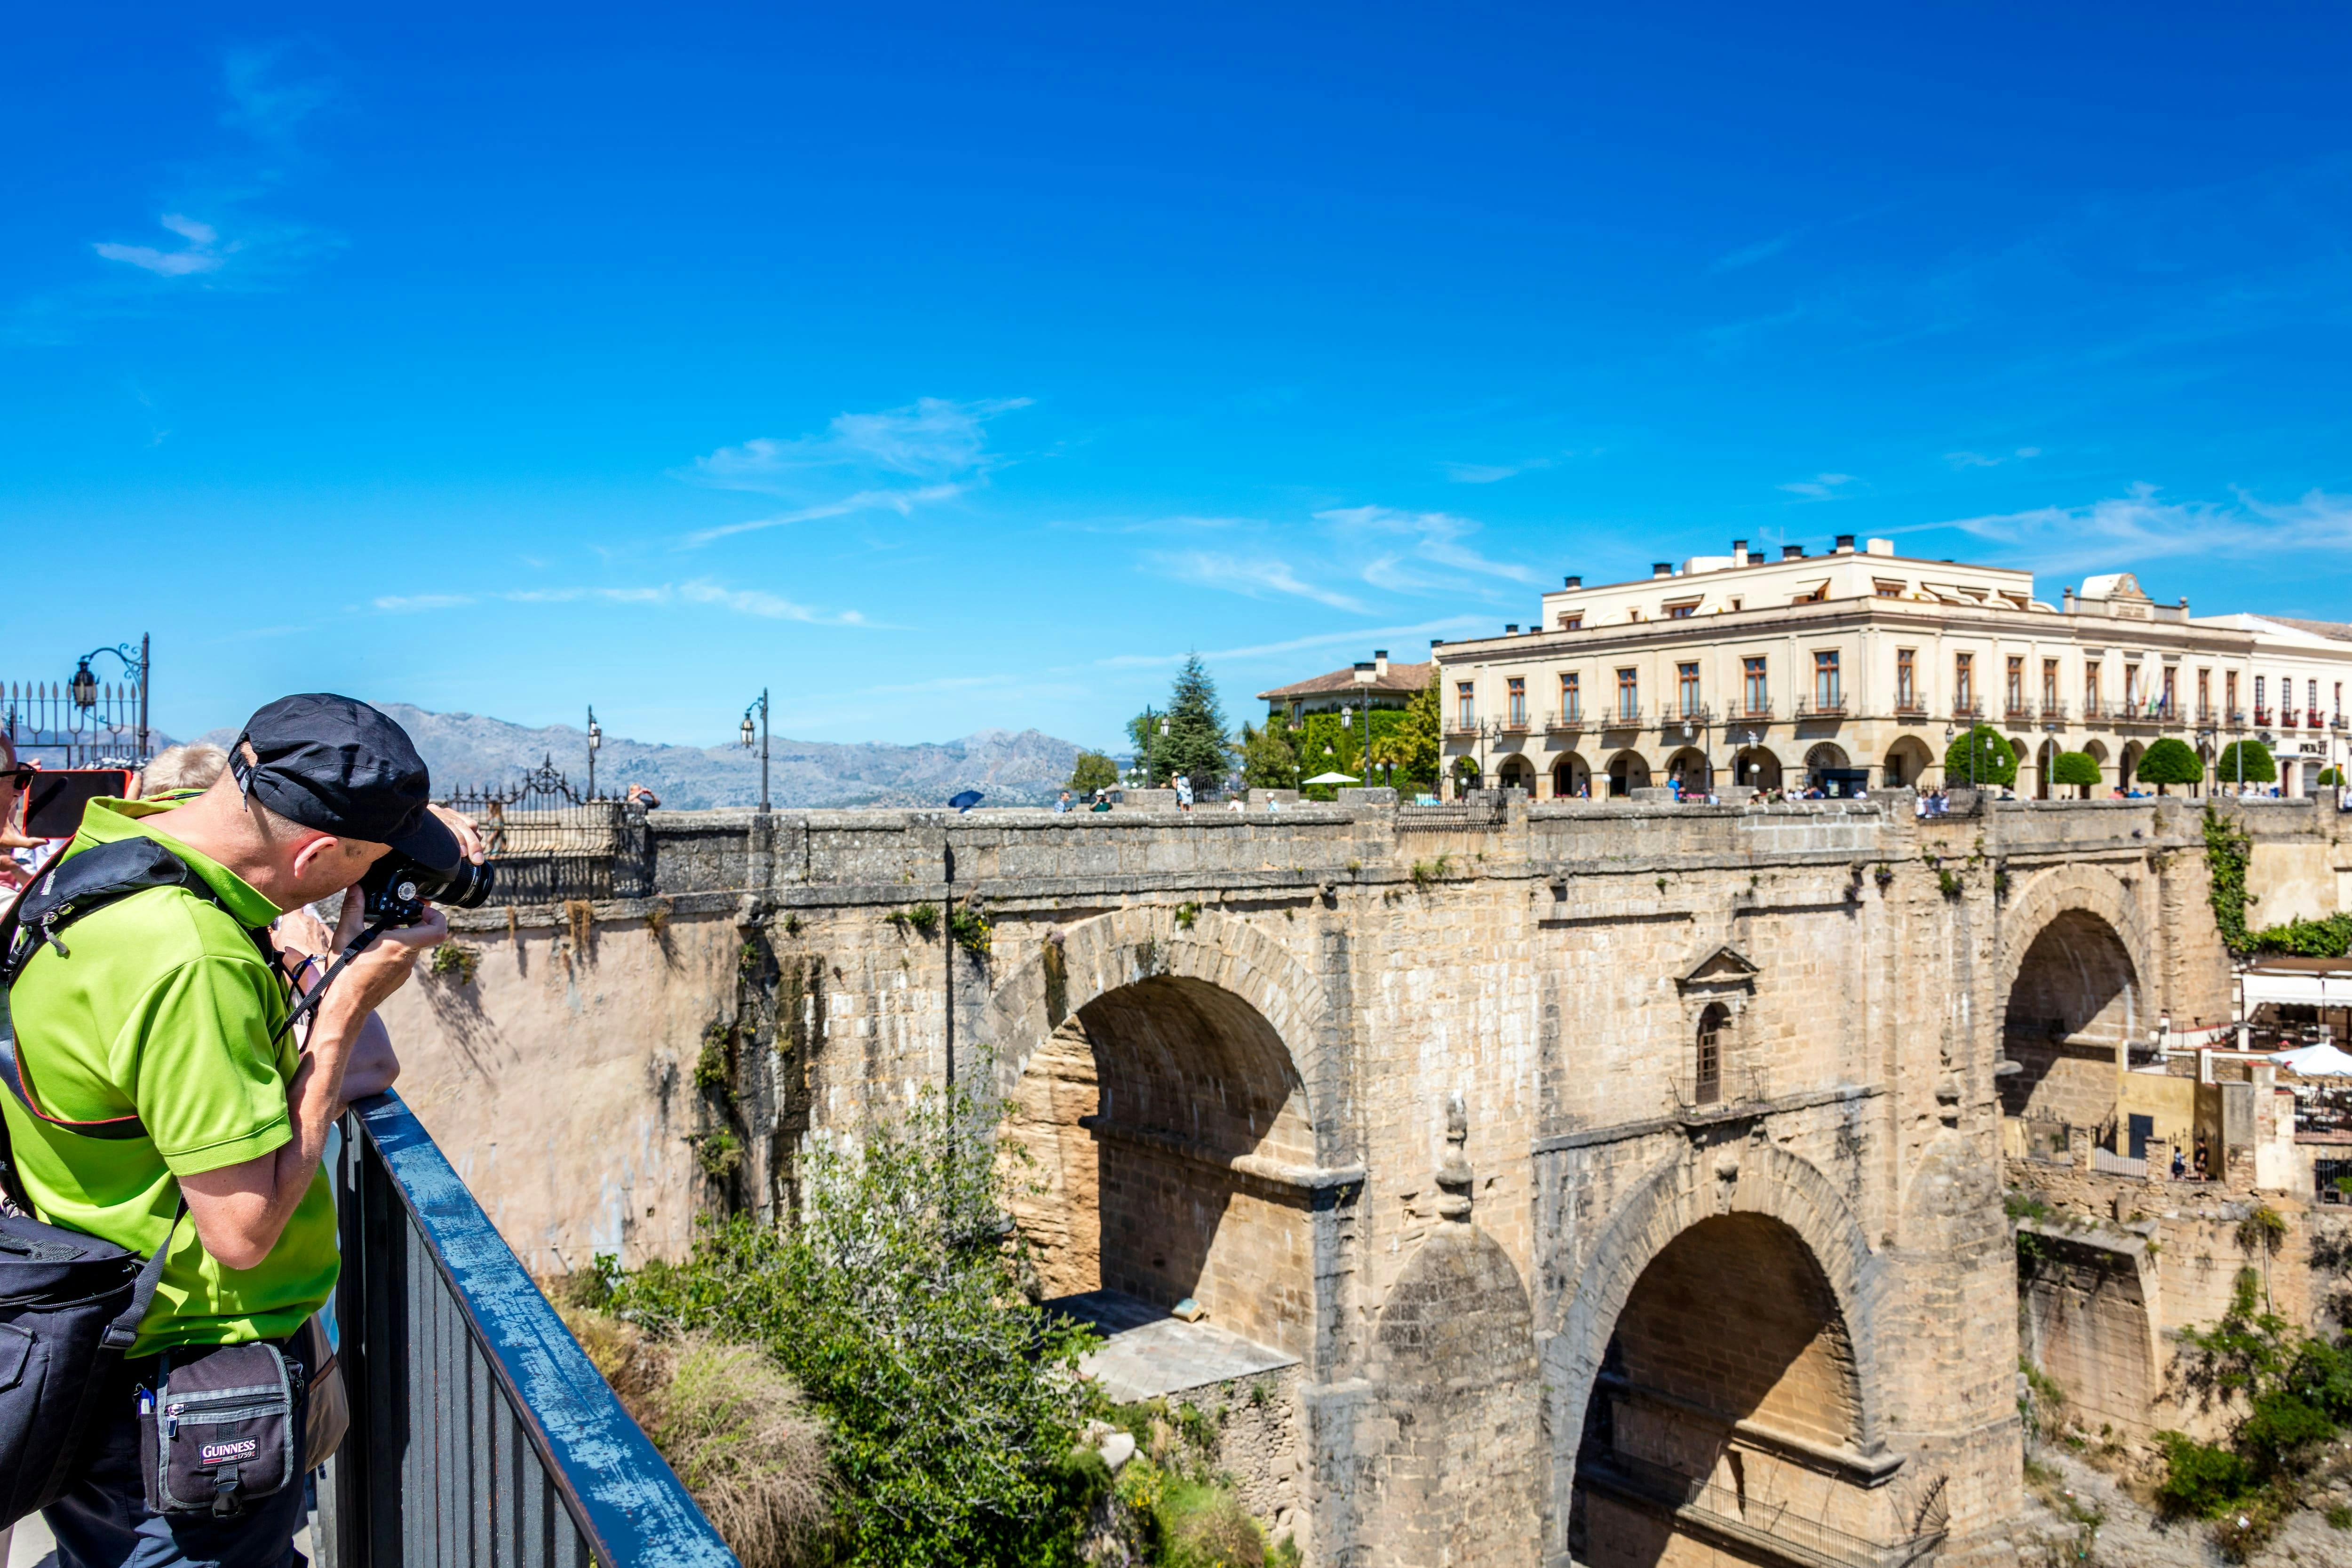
{"x": 1964, "y": 681}
{"x": 1682, "y": 610}
{"x": 2016, "y": 692}
{"x": 1707, "y": 1080}
{"x": 1573, "y": 622}
{"x": 1906, "y": 678}
{"x": 1632, "y": 615}
{"x": 1887, "y": 590}
{"x": 2050, "y": 684}
{"x": 1736, "y": 602}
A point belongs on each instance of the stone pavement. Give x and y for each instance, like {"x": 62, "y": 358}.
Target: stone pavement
{"x": 1147, "y": 1354}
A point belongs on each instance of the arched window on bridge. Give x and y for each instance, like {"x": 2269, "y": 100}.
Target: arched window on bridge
{"x": 1707, "y": 1084}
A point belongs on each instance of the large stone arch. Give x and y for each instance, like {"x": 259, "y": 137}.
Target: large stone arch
{"x": 1095, "y": 957}
{"x": 2064, "y": 889}
{"x": 1749, "y": 1177}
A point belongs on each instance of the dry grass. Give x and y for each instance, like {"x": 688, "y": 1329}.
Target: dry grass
{"x": 734, "y": 1427}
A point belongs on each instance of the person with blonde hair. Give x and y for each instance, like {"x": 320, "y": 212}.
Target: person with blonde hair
{"x": 192, "y": 766}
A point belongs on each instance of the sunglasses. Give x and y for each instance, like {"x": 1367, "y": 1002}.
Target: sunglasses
{"x": 21, "y": 776}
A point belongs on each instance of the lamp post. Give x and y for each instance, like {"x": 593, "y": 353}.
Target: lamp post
{"x": 595, "y": 740}
{"x": 2210, "y": 735}
{"x": 761, "y": 707}
{"x": 85, "y": 683}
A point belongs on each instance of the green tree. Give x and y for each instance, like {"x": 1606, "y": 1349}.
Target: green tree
{"x": 2170, "y": 762}
{"x": 1194, "y": 744}
{"x": 1094, "y": 772}
{"x": 2078, "y": 768}
{"x": 2250, "y": 756}
{"x": 1268, "y": 760}
{"x": 1979, "y": 758}
{"x": 2331, "y": 775}
{"x": 1418, "y": 739}
{"x": 954, "y": 1404}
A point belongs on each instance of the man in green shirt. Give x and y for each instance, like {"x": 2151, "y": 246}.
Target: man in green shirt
{"x": 164, "y": 1006}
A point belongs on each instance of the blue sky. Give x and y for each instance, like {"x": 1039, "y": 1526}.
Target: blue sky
{"x": 953, "y": 367}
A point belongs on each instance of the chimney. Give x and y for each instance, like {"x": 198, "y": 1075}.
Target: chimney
{"x": 1510, "y": 628}
{"x": 1739, "y": 553}
{"x": 1380, "y": 662}
{"x": 1365, "y": 674}
{"x": 1661, "y": 569}
{"x": 1437, "y": 642}
{"x": 1845, "y": 544}
{"x": 1572, "y": 583}
{"x": 1793, "y": 552}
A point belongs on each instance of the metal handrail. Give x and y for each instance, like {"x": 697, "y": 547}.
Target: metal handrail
{"x": 480, "y": 1432}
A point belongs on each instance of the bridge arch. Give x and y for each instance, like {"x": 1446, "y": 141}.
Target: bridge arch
{"x": 1746, "y": 1229}
{"x": 1149, "y": 1065}
{"x": 2074, "y": 963}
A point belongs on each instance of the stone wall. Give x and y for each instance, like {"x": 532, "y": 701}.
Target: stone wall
{"x": 1230, "y": 1041}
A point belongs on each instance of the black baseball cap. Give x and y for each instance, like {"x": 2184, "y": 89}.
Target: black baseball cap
{"x": 339, "y": 765}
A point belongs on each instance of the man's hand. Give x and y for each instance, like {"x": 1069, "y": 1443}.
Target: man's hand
{"x": 470, "y": 837}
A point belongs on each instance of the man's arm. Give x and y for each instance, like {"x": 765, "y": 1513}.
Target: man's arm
{"x": 241, "y": 1210}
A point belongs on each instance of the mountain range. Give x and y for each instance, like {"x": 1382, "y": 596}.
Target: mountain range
{"x": 467, "y": 750}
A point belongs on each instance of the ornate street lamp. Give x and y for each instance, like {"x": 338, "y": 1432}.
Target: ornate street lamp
{"x": 595, "y": 740}
{"x": 761, "y": 707}
{"x": 85, "y": 683}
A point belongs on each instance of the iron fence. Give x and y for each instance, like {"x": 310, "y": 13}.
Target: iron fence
{"x": 47, "y": 724}
{"x": 1746, "y": 1521}
{"x": 551, "y": 843}
{"x": 480, "y": 1433}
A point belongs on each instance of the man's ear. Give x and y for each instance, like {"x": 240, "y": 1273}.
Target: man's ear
{"x": 325, "y": 849}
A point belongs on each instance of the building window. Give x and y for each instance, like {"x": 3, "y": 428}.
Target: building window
{"x": 2171, "y": 690}
{"x": 1518, "y": 689}
{"x": 1682, "y": 612}
{"x": 1687, "y": 688}
{"x": 1629, "y": 694}
{"x": 1826, "y": 694}
{"x": 1572, "y": 623}
{"x": 2339, "y": 700}
{"x": 1571, "y": 702}
{"x": 2131, "y": 688}
{"x": 2311, "y": 695}
{"x": 1736, "y": 600}
{"x": 1964, "y": 681}
{"x": 1907, "y": 679}
{"x": 1632, "y": 615}
{"x": 1465, "y": 716}
{"x": 2016, "y": 692}
{"x": 2090, "y": 689}
{"x": 1757, "y": 699}
{"x": 2204, "y": 694}
{"x": 1887, "y": 590}
{"x": 2230, "y": 693}
{"x": 2262, "y": 703}
{"x": 2050, "y": 684}
{"x": 1707, "y": 1085}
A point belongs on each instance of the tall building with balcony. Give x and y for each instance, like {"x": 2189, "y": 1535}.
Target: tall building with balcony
{"x": 1857, "y": 668}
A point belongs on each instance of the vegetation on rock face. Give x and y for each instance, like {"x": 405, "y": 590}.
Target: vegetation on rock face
{"x": 2169, "y": 761}
{"x": 2077, "y": 768}
{"x": 2294, "y": 1393}
{"x": 1093, "y": 771}
{"x": 1979, "y": 758}
{"x": 2247, "y": 762}
{"x": 896, "y": 1302}
{"x": 2227, "y": 852}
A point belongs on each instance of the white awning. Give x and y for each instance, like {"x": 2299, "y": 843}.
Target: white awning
{"x": 2316, "y": 1061}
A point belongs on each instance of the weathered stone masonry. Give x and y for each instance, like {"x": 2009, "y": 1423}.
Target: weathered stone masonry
{"x": 1233, "y": 1041}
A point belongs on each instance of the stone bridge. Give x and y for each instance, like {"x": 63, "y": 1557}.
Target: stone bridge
{"x": 1581, "y": 1182}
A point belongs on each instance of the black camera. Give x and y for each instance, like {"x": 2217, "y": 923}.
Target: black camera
{"x": 397, "y": 889}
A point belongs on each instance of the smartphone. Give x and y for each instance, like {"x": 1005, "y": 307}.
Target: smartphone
{"x": 54, "y": 801}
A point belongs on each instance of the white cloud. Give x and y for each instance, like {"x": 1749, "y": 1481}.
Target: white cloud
{"x": 2120, "y": 531}
{"x": 932, "y": 438}
{"x": 1821, "y": 486}
{"x": 702, "y": 590}
{"x": 1979, "y": 460}
{"x": 1255, "y": 578}
{"x": 900, "y": 501}
{"x": 1435, "y": 536}
{"x": 203, "y": 253}
{"x": 1493, "y": 473}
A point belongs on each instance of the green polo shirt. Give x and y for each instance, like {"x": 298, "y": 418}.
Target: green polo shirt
{"x": 163, "y": 1006}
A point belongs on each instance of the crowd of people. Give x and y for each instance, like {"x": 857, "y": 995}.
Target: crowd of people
{"x": 175, "y": 772}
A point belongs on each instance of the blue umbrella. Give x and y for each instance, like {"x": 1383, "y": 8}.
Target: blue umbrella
{"x": 964, "y": 802}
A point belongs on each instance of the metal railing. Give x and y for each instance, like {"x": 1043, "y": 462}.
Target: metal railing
{"x": 1753, "y": 1523}
{"x": 551, "y": 844}
{"x": 1560, "y": 723}
{"x": 480, "y": 1433}
{"x": 45, "y": 723}
{"x": 1818, "y": 707}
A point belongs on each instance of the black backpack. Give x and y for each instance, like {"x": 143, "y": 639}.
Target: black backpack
{"x": 70, "y": 1303}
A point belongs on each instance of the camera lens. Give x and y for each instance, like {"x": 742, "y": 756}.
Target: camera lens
{"x": 464, "y": 886}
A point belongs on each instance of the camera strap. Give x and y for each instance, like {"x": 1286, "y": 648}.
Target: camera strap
{"x": 308, "y": 1003}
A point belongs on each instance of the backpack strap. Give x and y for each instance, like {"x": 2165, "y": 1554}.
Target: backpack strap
{"x": 62, "y": 894}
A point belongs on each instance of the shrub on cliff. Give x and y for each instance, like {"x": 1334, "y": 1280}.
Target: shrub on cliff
{"x": 953, "y": 1403}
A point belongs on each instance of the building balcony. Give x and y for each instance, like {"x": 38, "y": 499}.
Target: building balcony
{"x": 2208, "y": 714}
{"x": 1512, "y": 724}
{"x": 1462, "y": 729}
{"x": 1819, "y": 707}
{"x": 2095, "y": 708}
{"x": 2289, "y": 719}
{"x": 2054, "y": 713}
{"x": 1696, "y": 717}
{"x": 2314, "y": 718}
{"x": 2016, "y": 713}
{"x": 1623, "y": 718}
{"x": 1910, "y": 707}
{"x": 2262, "y": 717}
{"x": 480, "y": 1432}
{"x": 2338, "y": 722}
{"x": 1749, "y": 712}
{"x": 1564, "y": 723}
{"x": 2235, "y": 718}
{"x": 1970, "y": 709}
